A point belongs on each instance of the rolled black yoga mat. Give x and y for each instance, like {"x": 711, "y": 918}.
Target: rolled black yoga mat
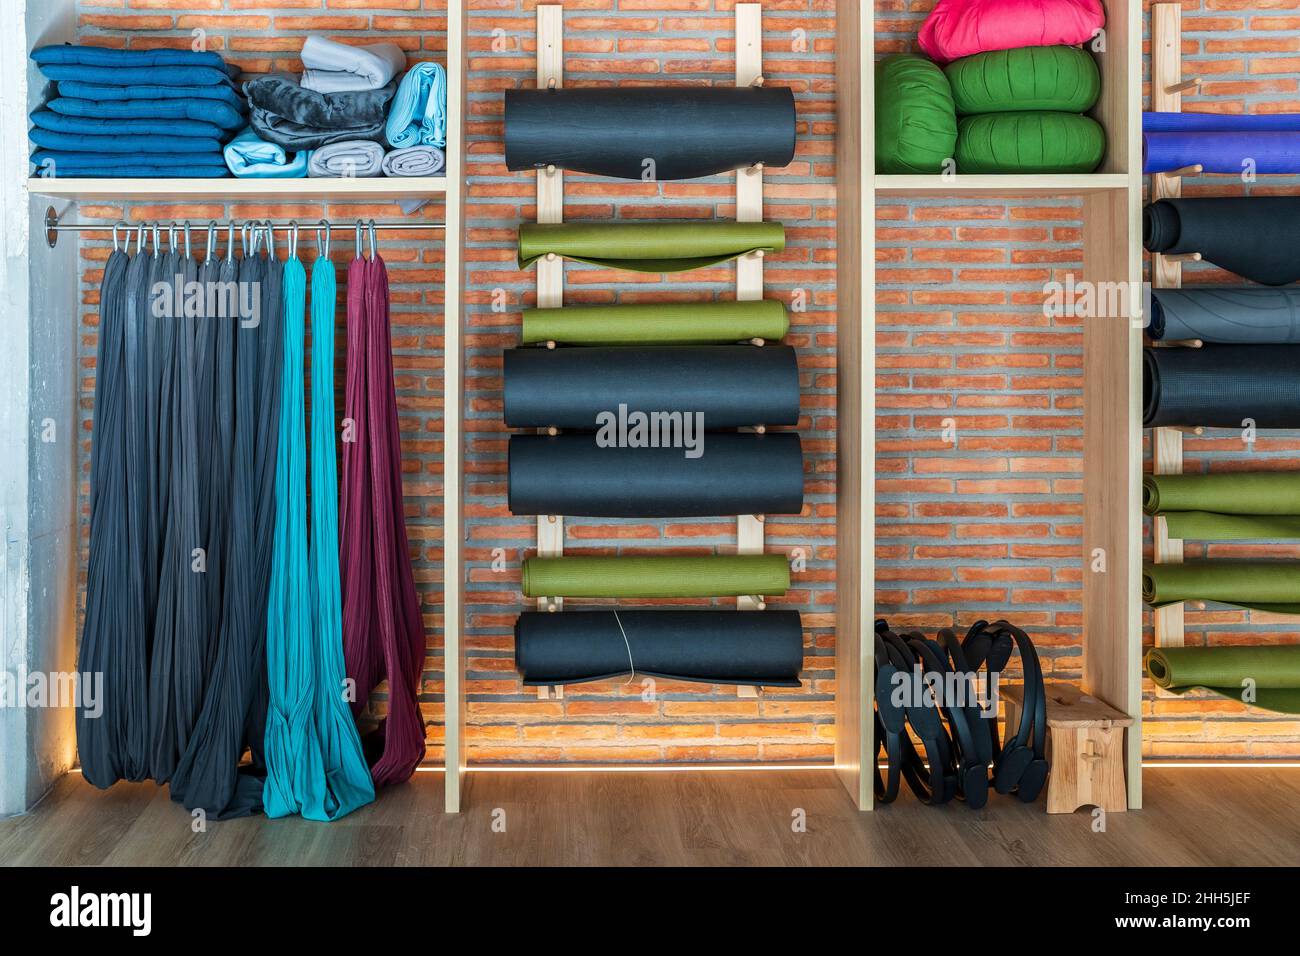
{"x": 1256, "y": 237}
{"x": 1220, "y": 386}
{"x": 735, "y": 474}
{"x": 708, "y": 647}
{"x": 728, "y": 385}
{"x": 1245, "y": 315}
{"x": 686, "y": 132}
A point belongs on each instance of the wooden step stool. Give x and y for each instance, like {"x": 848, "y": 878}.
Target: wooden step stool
{"x": 1085, "y": 748}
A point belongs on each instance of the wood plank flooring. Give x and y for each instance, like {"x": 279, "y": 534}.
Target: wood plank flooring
{"x": 1193, "y": 817}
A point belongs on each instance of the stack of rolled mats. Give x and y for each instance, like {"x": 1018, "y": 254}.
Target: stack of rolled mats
{"x": 1265, "y": 676}
{"x": 1264, "y": 143}
{"x": 1229, "y": 506}
{"x": 135, "y": 113}
{"x": 351, "y": 104}
{"x": 1003, "y": 90}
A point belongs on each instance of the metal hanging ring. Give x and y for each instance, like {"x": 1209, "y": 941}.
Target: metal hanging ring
{"x": 157, "y": 243}
{"x": 212, "y": 238}
{"x": 270, "y": 238}
{"x": 171, "y": 237}
{"x": 293, "y": 238}
{"x": 188, "y": 248}
{"x": 139, "y": 240}
{"x": 358, "y": 239}
{"x": 230, "y": 240}
{"x": 115, "y": 237}
{"x": 372, "y": 240}
{"x": 323, "y": 245}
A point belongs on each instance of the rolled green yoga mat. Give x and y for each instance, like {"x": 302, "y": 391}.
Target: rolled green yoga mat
{"x": 1228, "y": 506}
{"x": 1262, "y": 585}
{"x": 648, "y": 246}
{"x": 1274, "y": 669}
{"x": 667, "y": 323}
{"x": 657, "y": 576}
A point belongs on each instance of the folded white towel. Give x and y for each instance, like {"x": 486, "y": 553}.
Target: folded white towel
{"x": 353, "y": 159}
{"x": 415, "y": 161}
{"x": 332, "y": 67}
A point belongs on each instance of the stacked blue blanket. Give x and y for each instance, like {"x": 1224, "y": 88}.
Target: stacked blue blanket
{"x": 135, "y": 113}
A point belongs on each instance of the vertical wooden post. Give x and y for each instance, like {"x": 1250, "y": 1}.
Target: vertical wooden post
{"x": 1166, "y": 443}
{"x": 550, "y": 269}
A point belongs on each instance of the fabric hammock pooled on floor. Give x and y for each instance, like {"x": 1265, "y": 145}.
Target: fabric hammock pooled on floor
{"x": 1261, "y": 585}
{"x": 658, "y": 323}
{"x": 1270, "y": 673}
{"x": 1222, "y": 386}
{"x": 736, "y": 474}
{"x": 315, "y": 766}
{"x": 670, "y": 246}
{"x": 1253, "y": 236}
{"x": 383, "y": 631}
{"x": 724, "y": 386}
{"x": 1226, "y": 506}
{"x": 1247, "y": 315}
{"x": 656, "y": 576}
{"x": 659, "y": 132}
{"x": 709, "y": 647}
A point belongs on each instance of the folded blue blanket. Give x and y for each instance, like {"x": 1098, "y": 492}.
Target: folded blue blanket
{"x": 225, "y": 92}
{"x": 129, "y": 165}
{"x": 255, "y": 158}
{"x": 83, "y": 143}
{"x": 221, "y": 116}
{"x": 95, "y": 126}
{"x": 140, "y": 75}
{"x": 419, "y": 112}
{"x": 67, "y": 53}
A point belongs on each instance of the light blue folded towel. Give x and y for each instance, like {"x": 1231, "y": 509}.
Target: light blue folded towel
{"x": 254, "y": 158}
{"x": 106, "y": 126}
{"x": 418, "y": 115}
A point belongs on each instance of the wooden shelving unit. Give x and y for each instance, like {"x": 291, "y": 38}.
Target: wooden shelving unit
{"x": 1111, "y": 200}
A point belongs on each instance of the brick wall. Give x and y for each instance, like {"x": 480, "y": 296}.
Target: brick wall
{"x": 985, "y": 517}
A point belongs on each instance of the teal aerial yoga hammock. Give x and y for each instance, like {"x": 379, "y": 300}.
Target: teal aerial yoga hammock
{"x": 313, "y": 752}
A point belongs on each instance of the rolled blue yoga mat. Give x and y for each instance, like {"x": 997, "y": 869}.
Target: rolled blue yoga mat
{"x": 1222, "y": 151}
{"x": 1159, "y": 122}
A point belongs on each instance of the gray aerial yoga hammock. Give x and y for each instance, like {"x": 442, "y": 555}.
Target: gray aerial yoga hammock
{"x": 314, "y": 760}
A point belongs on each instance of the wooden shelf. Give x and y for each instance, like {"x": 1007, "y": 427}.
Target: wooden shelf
{"x": 1001, "y": 185}
{"x": 231, "y": 188}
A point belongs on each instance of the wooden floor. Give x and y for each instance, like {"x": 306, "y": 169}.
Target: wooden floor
{"x": 1193, "y": 817}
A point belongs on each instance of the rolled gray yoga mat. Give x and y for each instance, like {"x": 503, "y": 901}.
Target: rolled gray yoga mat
{"x": 725, "y": 386}
{"x": 1245, "y": 315}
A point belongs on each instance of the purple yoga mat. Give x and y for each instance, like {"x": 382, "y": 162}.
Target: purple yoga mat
{"x": 1222, "y": 151}
{"x": 1153, "y": 122}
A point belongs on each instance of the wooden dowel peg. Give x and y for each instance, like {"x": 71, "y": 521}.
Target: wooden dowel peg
{"x": 1183, "y": 343}
{"x": 550, "y": 84}
{"x": 552, "y": 607}
{"x": 757, "y": 81}
{"x": 552, "y": 430}
{"x": 756, "y": 168}
{"x": 756, "y": 254}
{"x": 1188, "y": 429}
{"x": 760, "y": 518}
{"x": 551, "y": 518}
{"x": 757, "y": 341}
{"x": 1181, "y": 257}
{"x": 543, "y": 692}
{"x": 762, "y": 605}
{"x": 550, "y": 343}
{"x": 1192, "y": 83}
{"x": 550, "y": 257}
{"x": 1194, "y": 170}
{"x": 550, "y": 170}
{"x": 747, "y": 691}
{"x": 760, "y": 429}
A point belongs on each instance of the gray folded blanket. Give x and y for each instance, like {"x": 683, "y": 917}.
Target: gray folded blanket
{"x": 333, "y": 67}
{"x": 415, "y": 161}
{"x": 285, "y": 113}
{"x": 352, "y": 159}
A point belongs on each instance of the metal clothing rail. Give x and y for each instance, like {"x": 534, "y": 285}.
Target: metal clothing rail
{"x": 53, "y": 227}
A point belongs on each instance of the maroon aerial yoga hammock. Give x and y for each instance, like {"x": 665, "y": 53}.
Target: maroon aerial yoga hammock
{"x": 383, "y": 632}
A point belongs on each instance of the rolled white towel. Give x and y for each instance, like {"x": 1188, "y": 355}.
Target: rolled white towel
{"x": 332, "y": 67}
{"x": 415, "y": 161}
{"x": 353, "y": 159}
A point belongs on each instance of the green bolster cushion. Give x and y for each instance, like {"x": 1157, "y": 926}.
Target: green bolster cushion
{"x": 1061, "y": 78}
{"x": 1036, "y": 142}
{"x": 916, "y": 123}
